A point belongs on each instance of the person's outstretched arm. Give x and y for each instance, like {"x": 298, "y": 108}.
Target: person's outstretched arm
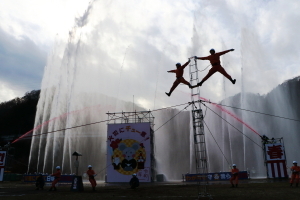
{"x": 202, "y": 58}
{"x": 185, "y": 64}
{"x": 172, "y": 71}
{"x": 223, "y": 52}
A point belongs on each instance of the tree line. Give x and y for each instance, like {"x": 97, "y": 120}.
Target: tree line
{"x": 17, "y": 117}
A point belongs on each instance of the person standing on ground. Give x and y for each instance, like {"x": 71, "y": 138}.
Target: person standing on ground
{"x": 134, "y": 182}
{"x": 91, "y": 173}
{"x": 234, "y": 176}
{"x": 57, "y": 176}
{"x": 40, "y": 182}
{"x": 295, "y": 174}
{"x": 179, "y": 77}
{"x": 214, "y": 59}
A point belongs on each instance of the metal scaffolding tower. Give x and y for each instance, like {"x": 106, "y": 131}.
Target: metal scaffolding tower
{"x": 198, "y": 132}
{"x": 131, "y": 117}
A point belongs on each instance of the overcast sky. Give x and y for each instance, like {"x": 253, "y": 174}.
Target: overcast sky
{"x": 264, "y": 34}
{"x": 27, "y": 32}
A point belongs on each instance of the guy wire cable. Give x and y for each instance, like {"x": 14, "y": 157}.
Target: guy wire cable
{"x": 216, "y": 142}
{"x": 231, "y": 125}
{"x": 174, "y": 116}
{"x": 254, "y": 111}
{"x": 40, "y": 134}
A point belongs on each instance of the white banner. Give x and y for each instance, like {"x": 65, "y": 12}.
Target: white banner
{"x": 2, "y": 164}
{"x": 274, "y": 152}
{"x": 128, "y": 152}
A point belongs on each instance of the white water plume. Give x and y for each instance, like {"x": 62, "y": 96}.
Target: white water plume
{"x": 121, "y": 49}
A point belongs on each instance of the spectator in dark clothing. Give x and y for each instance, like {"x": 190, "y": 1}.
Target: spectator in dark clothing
{"x": 265, "y": 139}
{"x": 134, "y": 182}
{"x": 40, "y": 182}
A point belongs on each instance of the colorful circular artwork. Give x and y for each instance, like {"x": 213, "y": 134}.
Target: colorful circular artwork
{"x": 128, "y": 156}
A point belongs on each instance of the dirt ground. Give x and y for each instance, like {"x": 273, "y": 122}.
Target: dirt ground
{"x": 254, "y": 190}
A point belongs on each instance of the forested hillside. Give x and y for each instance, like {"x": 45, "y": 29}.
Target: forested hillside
{"x": 16, "y": 118}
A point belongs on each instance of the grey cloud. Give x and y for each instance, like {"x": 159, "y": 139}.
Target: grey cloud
{"x": 21, "y": 62}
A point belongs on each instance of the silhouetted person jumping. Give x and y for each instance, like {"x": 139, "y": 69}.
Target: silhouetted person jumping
{"x": 214, "y": 59}
{"x": 179, "y": 77}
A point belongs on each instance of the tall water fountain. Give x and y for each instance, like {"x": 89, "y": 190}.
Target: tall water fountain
{"x": 116, "y": 59}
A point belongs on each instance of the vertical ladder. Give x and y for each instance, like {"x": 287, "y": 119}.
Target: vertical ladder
{"x": 198, "y": 132}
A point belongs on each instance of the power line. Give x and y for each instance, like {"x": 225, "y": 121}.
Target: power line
{"x": 232, "y": 125}
{"x": 216, "y": 142}
{"x": 254, "y": 111}
{"x": 173, "y": 117}
{"x": 23, "y": 137}
{"x": 171, "y": 106}
{"x": 66, "y": 128}
{"x": 189, "y": 103}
